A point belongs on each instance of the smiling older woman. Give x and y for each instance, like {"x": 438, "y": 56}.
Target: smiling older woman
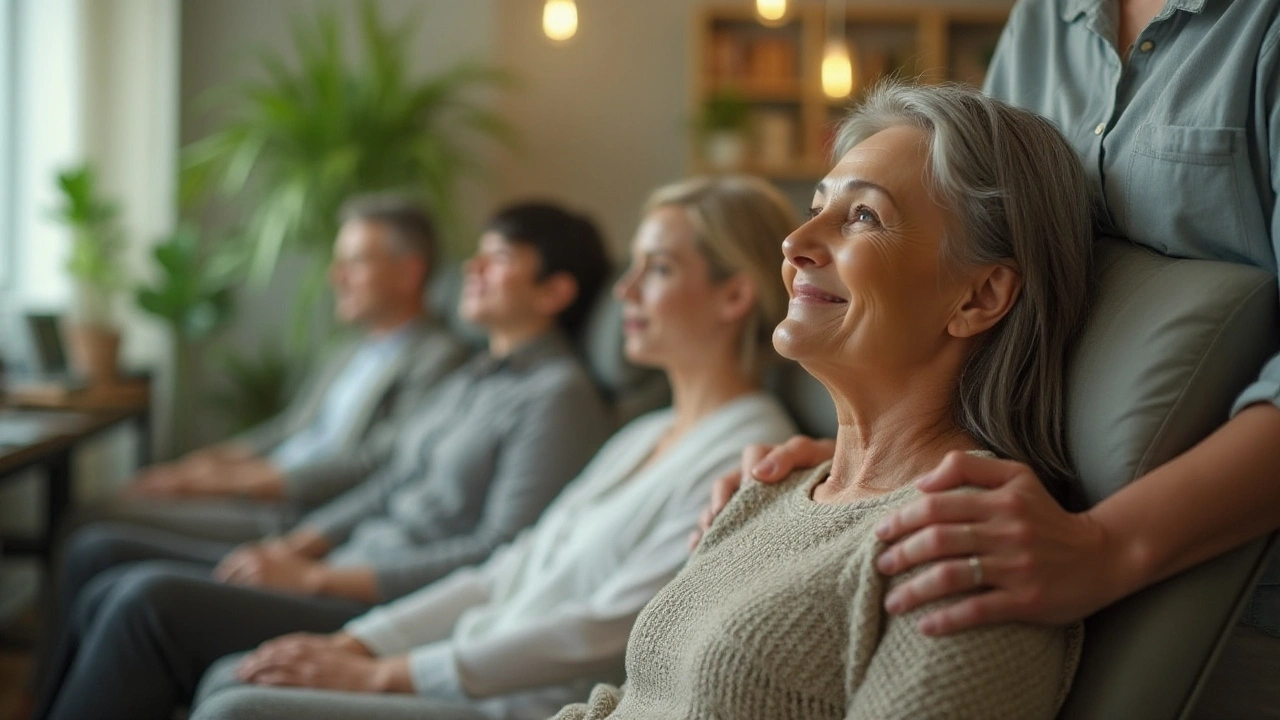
{"x": 934, "y": 292}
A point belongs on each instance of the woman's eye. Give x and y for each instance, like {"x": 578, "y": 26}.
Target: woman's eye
{"x": 814, "y": 212}
{"x": 862, "y": 213}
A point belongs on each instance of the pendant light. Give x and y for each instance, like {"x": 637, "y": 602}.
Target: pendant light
{"x": 837, "y": 62}
{"x": 771, "y": 12}
{"x": 560, "y": 19}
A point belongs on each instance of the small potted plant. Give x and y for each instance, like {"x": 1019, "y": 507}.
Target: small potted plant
{"x": 191, "y": 293}
{"x": 724, "y": 131}
{"x": 94, "y": 265}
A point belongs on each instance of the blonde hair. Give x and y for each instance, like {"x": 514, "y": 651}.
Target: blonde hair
{"x": 740, "y": 223}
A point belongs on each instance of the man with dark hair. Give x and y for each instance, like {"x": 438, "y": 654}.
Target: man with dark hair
{"x": 478, "y": 462}
{"x": 344, "y": 419}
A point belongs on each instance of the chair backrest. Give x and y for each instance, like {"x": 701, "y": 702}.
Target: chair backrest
{"x": 1169, "y": 346}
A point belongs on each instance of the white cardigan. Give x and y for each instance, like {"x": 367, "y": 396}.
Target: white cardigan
{"x": 548, "y": 615}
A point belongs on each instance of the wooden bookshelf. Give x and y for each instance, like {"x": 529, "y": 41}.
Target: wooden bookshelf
{"x": 776, "y": 71}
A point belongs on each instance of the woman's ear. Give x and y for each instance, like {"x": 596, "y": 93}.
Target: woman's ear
{"x": 989, "y": 299}
{"x": 737, "y": 297}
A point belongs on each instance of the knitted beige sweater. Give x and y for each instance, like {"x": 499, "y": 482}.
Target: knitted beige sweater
{"x": 779, "y": 615}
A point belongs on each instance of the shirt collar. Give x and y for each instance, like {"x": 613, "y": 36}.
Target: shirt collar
{"x": 1072, "y": 9}
{"x": 550, "y": 344}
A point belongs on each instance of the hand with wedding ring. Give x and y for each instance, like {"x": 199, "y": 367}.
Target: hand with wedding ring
{"x": 1029, "y": 559}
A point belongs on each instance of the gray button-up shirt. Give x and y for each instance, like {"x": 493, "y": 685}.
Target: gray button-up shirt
{"x": 487, "y": 452}
{"x": 1182, "y": 140}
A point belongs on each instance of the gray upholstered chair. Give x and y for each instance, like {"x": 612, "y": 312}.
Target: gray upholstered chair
{"x": 1169, "y": 346}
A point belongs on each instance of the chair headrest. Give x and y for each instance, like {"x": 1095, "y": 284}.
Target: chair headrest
{"x": 1168, "y": 347}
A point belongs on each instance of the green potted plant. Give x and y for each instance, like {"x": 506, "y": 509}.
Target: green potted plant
{"x": 305, "y": 137}
{"x": 94, "y": 265}
{"x": 723, "y": 130}
{"x": 192, "y": 295}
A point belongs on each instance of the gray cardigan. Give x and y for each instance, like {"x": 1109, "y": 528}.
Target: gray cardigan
{"x": 431, "y": 353}
{"x": 478, "y": 463}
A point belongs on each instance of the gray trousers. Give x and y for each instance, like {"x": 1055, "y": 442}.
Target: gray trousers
{"x": 222, "y": 697}
{"x": 147, "y": 620}
{"x": 221, "y": 524}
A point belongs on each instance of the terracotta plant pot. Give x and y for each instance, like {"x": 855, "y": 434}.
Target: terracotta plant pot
{"x": 95, "y": 352}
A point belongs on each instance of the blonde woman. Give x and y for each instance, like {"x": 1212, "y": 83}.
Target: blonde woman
{"x": 546, "y": 617}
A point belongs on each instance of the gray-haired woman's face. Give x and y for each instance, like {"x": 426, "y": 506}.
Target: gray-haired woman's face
{"x": 868, "y": 282}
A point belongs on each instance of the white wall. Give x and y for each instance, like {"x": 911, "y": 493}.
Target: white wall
{"x": 603, "y": 118}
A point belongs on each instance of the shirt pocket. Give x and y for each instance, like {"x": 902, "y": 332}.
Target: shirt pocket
{"x": 1186, "y": 194}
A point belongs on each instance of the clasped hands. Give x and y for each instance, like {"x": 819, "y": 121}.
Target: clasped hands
{"x": 329, "y": 662}
{"x": 290, "y": 563}
{"x": 1035, "y": 561}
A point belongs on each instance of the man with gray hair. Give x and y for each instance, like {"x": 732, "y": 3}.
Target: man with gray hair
{"x": 341, "y": 425}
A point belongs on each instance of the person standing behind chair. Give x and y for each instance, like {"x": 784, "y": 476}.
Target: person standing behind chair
{"x": 547, "y": 616}
{"x": 496, "y": 442}
{"x": 342, "y": 423}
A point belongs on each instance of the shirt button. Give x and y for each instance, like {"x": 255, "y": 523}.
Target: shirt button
{"x": 1147, "y": 46}
{"x": 1098, "y": 130}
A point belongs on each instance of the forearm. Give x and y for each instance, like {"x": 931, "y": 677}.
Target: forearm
{"x": 317, "y": 483}
{"x": 1214, "y": 497}
{"x": 393, "y": 676}
{"x": 422, "y": 617}
{"x": 410, "y": 569}
{"x": 336, "y": 519}
{"x": 307, "y": 542}
{"x": 252, "y": 478}
{"x": 352, "y": 583}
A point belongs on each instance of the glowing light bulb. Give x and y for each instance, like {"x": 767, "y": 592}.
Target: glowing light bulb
{"x": 837, "y": 70}
{"x": 560, "y": 19}
{"x": 771, "y": 12}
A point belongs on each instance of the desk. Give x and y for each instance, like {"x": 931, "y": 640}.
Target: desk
{"x": 45, "y": 438}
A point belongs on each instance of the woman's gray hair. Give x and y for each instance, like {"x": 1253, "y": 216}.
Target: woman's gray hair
{"x": 1017, "y": 194}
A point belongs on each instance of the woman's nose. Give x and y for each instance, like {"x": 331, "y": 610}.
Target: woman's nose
{"x": 804, "y": 247}
{"x": 625, "y": 287}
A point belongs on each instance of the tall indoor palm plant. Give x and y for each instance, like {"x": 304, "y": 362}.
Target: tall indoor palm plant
{"x": 303, "y": 138}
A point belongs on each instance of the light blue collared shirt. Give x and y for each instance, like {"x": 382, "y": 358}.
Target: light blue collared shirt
{"x": 323, "y": 437}
{"x": 1181, "y": 141}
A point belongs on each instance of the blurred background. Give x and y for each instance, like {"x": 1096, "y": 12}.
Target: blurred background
{"x": 170, "y": 169}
